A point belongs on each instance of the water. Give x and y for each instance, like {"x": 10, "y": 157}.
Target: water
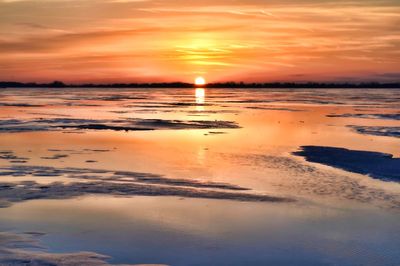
{"x": 243, "y": 138}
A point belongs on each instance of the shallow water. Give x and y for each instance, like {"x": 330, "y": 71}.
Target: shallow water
{"x": 195, "y": 162}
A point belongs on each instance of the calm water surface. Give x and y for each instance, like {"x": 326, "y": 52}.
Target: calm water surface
{"x": 242, "y": 137}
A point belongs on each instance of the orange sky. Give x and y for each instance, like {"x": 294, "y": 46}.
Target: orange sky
{"x": 177, "y": 40}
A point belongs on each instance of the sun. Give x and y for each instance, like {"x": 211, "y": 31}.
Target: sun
{"x": 199, "y": 81}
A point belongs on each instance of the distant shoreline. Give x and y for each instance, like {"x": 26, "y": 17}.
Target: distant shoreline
{"x": 272, "y": 85}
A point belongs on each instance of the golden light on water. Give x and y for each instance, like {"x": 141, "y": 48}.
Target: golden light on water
{"x": 200, "y": 81}
{"x": 200, "y": 94}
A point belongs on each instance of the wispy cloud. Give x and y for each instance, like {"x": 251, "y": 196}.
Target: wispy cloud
{"x": 223, "y": 39}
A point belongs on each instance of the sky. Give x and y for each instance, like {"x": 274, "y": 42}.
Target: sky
{"x": 178, "y": 40}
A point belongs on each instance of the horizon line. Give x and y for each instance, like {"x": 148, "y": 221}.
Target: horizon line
{"x": 179, "y": 84}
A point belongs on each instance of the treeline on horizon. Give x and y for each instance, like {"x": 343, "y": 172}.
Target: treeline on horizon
{"x": 288, "y": 85}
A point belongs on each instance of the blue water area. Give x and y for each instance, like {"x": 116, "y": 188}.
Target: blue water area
{"x": 375, "y": 164}
{"x": 172, "y": 231}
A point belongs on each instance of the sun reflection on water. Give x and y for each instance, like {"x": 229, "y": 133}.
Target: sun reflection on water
{"x": 200, "y": 95}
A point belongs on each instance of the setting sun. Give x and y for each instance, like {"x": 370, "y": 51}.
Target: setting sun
{"x": 200, "y": 81}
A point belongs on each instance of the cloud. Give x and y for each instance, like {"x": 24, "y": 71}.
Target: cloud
{"x": 167, "y": 39}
